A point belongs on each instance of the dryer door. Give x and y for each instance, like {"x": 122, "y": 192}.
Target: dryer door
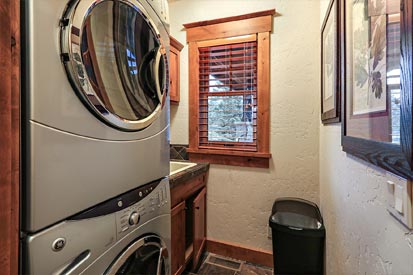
{"x": 146, "y": 256}
{"x": 116, "y": 61}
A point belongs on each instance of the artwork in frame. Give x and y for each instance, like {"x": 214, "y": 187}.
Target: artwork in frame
{"x": 369, "y": 57}
{"x": 330, "y": 89}
{"x": 376, "y": 82}
{"x": 376, "y": 7}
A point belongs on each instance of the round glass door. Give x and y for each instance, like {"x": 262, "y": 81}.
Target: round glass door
{"x": 116, "y": 61}
{"x": 147, "y": 256}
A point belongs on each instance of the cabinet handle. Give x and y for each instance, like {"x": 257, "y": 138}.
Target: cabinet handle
{"x": 197, "y": 207}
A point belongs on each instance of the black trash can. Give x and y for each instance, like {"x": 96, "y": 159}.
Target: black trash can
{"x": 298, "y": 235}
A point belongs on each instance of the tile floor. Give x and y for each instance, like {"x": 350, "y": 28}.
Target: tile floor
{"x": 219, "y": 265}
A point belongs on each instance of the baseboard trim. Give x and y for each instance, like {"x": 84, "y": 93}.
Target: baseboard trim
{"x": 236, "y": 251}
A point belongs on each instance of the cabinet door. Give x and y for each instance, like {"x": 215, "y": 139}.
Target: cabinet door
{"x": 174, "y": 75}
{"x": 174, "y": 59}
{"x": 178, "y": 238}
{"x": 199, "y": 226}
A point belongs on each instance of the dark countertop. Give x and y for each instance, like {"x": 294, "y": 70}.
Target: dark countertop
{"x": 188, "y": 173}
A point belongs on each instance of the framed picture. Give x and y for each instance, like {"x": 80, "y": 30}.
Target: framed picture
{"x": 376, "y": 83}
{"x": 330, "y": 56}
{"x": 369, "y": 50}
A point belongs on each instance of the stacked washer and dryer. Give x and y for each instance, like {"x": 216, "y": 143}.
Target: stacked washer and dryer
{"x": 95, "y": 193}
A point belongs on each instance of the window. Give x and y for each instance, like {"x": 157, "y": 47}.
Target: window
{"x": 228, "y": 96}
{"x": 229, "y": 90}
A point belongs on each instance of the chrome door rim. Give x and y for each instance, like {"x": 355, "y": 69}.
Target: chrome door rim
{"x": 121, "y": 259}
{"x": 74, "y": 17}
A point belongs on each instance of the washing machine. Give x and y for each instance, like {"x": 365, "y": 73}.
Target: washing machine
{"x": 129, "y": 234}
{"x": 95, "y": 118}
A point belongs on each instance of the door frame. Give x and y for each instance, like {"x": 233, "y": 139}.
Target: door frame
{"x": 9, "y": 135}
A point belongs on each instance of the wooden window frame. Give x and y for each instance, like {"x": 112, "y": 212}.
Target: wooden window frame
{"x": 219, "y": 32}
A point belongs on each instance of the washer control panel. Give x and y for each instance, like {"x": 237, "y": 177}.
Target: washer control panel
{"x": 152, "y": 197}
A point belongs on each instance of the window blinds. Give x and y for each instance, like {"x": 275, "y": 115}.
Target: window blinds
{"x": 228, "y": 96}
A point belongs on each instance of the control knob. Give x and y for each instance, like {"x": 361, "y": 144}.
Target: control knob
{"x": 134, "y": 218}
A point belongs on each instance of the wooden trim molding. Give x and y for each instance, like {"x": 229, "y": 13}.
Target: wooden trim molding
{"x": 244, "y": 161}
{"x": 230, "y": 19}
{"x": 230, "y": 26}
{"x": 234, "y": 158}
{"x": 193, "y": 95}
{"x": 175, "y": 43}
{"x": 236, "y": 251}
{"x": 263, "y": 90}
{"x": 9, "y": 135}
{"x": 235, "y": 39}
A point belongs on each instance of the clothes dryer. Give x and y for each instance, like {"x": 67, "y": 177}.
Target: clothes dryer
{"x": 130, "y": 234}
{"x": 95, "y": 100}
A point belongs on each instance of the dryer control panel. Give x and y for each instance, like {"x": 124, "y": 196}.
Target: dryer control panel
{"x": 153, "y": 201}
{"x": 134, "y": 207}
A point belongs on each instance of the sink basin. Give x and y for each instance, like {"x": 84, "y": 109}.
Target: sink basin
{"x": 176, "y": 166}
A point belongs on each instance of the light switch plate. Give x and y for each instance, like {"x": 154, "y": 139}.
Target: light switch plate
{"x": 399, "y": 199}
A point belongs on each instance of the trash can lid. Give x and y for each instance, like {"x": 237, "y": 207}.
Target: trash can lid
{"x": 295, "y": 220}
{"x": 295, "y": 212}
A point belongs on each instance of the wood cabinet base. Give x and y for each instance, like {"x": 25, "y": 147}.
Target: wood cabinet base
{"x": 188, "y": 223}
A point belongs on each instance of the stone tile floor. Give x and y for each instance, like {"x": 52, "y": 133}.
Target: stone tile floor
{"x": 219, "y": 265}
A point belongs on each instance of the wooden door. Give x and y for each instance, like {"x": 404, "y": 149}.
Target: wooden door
{"x": 174, "y": 71}
{"x": 9, "y": 135}
{"x": 199, "y": 226}
{"x": 178, "y": 238}
{"x": 173, "y": 76}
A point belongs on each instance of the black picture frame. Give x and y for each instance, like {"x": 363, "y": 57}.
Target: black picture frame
{"x": 331, "y": 114}
{"x": 395, "y": 158}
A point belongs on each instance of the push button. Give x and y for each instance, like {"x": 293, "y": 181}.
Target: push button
{"x": 58, "y": 244}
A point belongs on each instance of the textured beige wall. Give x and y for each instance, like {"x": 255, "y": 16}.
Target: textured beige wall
{"x": 240, "y": 199}
{"x": 362, "y": 238}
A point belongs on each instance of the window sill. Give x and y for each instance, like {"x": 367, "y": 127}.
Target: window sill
{"x": 227, "y": 157}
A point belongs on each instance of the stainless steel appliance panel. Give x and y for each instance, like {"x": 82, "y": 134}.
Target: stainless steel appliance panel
{"x": 91, "y": 245}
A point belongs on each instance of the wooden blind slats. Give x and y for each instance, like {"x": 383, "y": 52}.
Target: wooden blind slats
{"x": 228, "y": 85}
{"x": 228, "y": 96}
{"x": 228, "y": 146}
{"x": 234, "y": 73}
{"x": 230, "y": 105}
{"x": 206, "y": 94}
{"x": 239, "y": 46}
{"x": 224, "y": 59}
{"x": 226, "y": 79}
{"x": 235, "y": 53}
{"x": 218, "y": 68}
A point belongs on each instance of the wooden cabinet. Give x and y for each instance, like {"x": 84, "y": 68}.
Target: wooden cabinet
{"x": 178, "y": 239}
{"x": 199, "y": 226}
{"x": 188, "y": 224}
{"x": 174, "y": 60}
